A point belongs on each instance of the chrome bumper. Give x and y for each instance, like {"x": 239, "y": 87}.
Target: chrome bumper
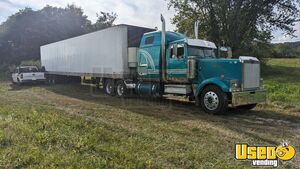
{"x": 249, "y": 97}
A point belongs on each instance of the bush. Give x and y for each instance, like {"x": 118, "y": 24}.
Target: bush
{"x": 5, "y": 70}
{"x": 31, "y": 63}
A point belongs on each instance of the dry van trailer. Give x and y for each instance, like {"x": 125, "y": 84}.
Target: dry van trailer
{"x": 108, "y": 53}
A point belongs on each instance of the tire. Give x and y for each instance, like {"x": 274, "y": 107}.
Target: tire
{"x": 109, "y": 87}
{"x": 247, "y": 107}
{"x": 19, "y": 83}
{"x": 213, "y": 100}
{"x": 121, "y": 89}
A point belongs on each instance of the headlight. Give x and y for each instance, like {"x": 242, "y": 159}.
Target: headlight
{"x": 234, "y": 85}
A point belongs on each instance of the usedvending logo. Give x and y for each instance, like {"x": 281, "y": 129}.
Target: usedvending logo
{"x": 267, "y": 156}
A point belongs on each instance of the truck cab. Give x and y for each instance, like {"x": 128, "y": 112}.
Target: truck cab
{"x": 171, "y": 63}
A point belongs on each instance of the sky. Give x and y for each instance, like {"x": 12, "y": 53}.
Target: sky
{"x": 134, "y": 12}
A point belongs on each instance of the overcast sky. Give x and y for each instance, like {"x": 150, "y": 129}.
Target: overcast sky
{"x": 135, "y": 12}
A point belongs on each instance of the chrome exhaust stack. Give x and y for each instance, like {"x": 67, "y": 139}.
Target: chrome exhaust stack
{"x": 163, "y": 49}
{"x": 196, "y": 27}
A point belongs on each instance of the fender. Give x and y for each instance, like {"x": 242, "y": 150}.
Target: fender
{"x": 214, "y": 81}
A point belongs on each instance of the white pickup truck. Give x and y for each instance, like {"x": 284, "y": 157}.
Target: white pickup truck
{"x": 28, "y": 74}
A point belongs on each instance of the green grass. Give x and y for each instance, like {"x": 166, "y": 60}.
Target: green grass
{"x": 285, "y": 62}
{"x": 73, "y": 126}
{"x": 282, "y": 81}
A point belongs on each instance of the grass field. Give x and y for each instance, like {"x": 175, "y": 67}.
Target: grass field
{"x": 283, "y": 82}
{"x": 73, "y": 126}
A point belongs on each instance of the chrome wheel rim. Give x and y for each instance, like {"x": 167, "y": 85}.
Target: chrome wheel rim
{"x": 120, "y": 89}
{"x": 211, "y": 100}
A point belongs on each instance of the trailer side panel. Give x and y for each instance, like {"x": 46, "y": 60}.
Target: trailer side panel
{"x": 103, "y": 53}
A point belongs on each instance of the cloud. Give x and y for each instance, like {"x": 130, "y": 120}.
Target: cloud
{"x": 143, "y": 13}
{"x": 282, "y": 37}
{"x": 6, "y": 9}
{"x": 134, "y": 12}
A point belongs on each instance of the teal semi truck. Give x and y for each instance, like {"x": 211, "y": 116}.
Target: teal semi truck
{"x": 128, "y": 59}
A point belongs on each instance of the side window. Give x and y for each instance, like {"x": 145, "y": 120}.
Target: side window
{"x": 180, "y": 51}
{"x": 177, "y": 51}
{"x": 149, "y": 40}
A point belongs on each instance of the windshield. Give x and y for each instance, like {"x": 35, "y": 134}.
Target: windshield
{"x": 28, "y": 69}
{"x": 202, "y": 52}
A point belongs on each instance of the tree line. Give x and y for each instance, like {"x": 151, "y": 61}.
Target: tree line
{"x": 286, "y": 50}
{"x": 22, "y": 34}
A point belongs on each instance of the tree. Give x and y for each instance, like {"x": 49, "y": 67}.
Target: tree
{"x": 22, "y": 34}
{"x": 105, "y": 20}
{"x": 239, "y": 23}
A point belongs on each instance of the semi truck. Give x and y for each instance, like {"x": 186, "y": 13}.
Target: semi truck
{"x": 153, "y": 63}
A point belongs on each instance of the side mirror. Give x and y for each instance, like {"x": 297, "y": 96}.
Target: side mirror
{"x": 223, "y": 49}
{"x": 144, "y": 65}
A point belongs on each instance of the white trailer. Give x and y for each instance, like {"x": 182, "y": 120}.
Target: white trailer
{"x": 109, "y": 53}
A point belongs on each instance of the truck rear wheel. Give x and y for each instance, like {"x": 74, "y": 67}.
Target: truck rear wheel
{"x": 109, "y": 87}
{"x": 213, "y": 100}
{"x": 121, "y": 89}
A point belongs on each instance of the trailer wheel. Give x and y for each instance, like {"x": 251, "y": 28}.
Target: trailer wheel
{"x": 121, "y": 89}
{"x": 109, "y": 87}
{"x": 213, "y": 100}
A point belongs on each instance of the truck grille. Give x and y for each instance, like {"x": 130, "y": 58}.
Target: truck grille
{"x": 251, "y": 75}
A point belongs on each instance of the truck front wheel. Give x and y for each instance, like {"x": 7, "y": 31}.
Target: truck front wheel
{"x": 109, "y": 87}
{"x": 213, "y": 100}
